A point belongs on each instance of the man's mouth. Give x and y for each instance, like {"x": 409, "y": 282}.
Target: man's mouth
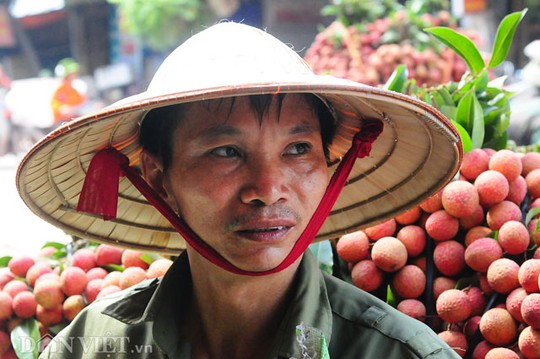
{"x": 265, "y": 234}
{"x": 268, "y": 229}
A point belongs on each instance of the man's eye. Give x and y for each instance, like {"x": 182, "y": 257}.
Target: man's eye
{"x": 226, "y": 151}
{"x": 298, "y": 148}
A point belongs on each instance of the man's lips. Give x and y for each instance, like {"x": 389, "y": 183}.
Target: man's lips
{"x": 266, "y": 231}
{"x": 273, "y": 234}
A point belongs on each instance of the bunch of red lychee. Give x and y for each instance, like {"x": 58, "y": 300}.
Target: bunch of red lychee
{"x": 360, "y": 53}
{"x": 53, "y": 292}
{"x": 466, "y": 261}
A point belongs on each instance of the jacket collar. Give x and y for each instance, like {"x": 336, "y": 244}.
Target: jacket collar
{"x": 165, "y": 301}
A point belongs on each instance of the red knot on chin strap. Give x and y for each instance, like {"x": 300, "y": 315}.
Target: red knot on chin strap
{"x": 99, "y": 196}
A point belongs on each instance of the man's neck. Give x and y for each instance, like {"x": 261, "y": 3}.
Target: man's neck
{"x": 236, "y": 316}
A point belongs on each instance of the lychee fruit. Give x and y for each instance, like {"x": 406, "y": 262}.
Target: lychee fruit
{"x": 498, "y": 327}
{"x": 501, "y": 213}
{"x": 475, "y": 233}
{"x": 73, "y": 280}
{"x": 160, "y": 266}
{"x": 96, "y": 272}
{"x": 414, "y": 239}
{"x": 442, "y": 284}
{"x": 433, "y": 203}
{"x": 131, "y": 276}
{"x": 476, "y": 300}
{"x": 528, "y": 275}
{"x": 409, "y": 217}
{"x": 84, "y": 258}
{"x": 441, "y": 226}
{"x": 492, "y": 187}
{"x": 48, "y": 293}
{"x": 366, "y": 275}
{"x": 475, "y": 219}
{"x": 501, "y": 353}
{"x": 14, "y": 287}
{"x": 20, "y": 265}
{"x": 529, "y": 342}
{"x": 389, "y": 254}
{"x": 92, "y": 289}
{"x": 72, "y": 306}
{"x": 507, "y": 163}
{"x": 514, "y": 237}
{"x": 448, "y": 257}
{"x": 351, "y": 247}
{"x": 530, "y": 161}
{"x": 481, "y": 253}
{"x": 5, "y": 276}
{"x": 133, "y": 258}
{"x": 107, "y": 254}
{"x": 36, "y": 271}
{"x": 502, "y": 275}
{"x": 108, "y": 290}
{"x": 24, "y": 305}
{"x": 456, "y": 340}
{"x": 517, "y": 191}
{"x": 514, "y": 301}
{"x": 533, "y": 183}
{"x": 49, "y": 317}
{"x": 383, "y": 229}
{"x": 6, "y": 309}
{"x": 481, "y": 350}
{"x": 460, "y": 198}
{"x": 409, "y": 282}
{"x": 530, "y": 310}
{"x": 413, "y": 308}
{"x": 453, "y": 306}
{"x": 474, "y": 162}
{"x": 113, "y": 278}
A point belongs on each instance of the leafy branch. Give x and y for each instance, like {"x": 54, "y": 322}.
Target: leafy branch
{"x": 479, "y": 108}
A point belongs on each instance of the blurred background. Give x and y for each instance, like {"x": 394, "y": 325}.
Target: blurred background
{"x": 98, "y": 51}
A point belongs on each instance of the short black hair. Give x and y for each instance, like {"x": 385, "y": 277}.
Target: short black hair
{"x": 159, "y": 124}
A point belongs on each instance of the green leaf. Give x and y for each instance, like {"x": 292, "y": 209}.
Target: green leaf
{"x": 322, "y": 251}
{"x": 465, "y": 138}
{"x": 113, "y": 267}
{"x": 462, "y": 45}
{"x": 449, "y": 111}
{"x": 59, "y": 254}
{"x": 531, "y": 214}
{"x": 25, "y": 339}
{"x": 150, "y": 257}
{"x": 390, "y": 297}
{"x": 504, "y": 36}
{"x": 397, "y": 80}
{"x": 471, "y": 117}
{"x": 4, "y": 261}
{"x": 56, "y": 245}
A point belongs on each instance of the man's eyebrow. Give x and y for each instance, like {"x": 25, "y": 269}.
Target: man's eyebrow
{"x": 304, "y": 128}
{"x": 220, "y": 130}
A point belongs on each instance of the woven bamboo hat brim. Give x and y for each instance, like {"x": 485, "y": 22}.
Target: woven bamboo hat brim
{"x": 417, "y": 153}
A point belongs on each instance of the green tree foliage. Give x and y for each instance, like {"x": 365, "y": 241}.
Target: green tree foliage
{"x": 162, "y": 24}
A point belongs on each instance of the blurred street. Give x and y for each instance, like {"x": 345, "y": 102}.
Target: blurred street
{"x": 22, "y": 232}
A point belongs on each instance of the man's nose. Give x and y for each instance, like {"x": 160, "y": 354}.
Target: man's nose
{"x": 266, "y": 183}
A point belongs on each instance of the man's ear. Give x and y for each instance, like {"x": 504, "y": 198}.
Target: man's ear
{"x": 153, "y": 173}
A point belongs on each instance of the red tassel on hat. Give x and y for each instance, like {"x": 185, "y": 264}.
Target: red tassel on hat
{"x": 99, "y": 194}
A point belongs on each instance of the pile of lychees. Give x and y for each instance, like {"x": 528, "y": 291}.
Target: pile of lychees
{"x": 54, "y": 291}
{"x": 465, "y": 261}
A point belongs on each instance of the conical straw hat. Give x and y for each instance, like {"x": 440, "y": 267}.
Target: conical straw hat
{"x": 417, "y": 153}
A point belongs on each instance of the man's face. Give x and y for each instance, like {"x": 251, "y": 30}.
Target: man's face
{"x": 248, "y": 187}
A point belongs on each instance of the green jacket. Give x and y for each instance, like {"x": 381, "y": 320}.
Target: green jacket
{"x": 143, "y": 322}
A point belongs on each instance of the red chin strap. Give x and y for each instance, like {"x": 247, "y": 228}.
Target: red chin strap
{"x": 99, "y": 196}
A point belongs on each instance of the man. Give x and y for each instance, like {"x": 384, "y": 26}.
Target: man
{"x": 248, "y": 157}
